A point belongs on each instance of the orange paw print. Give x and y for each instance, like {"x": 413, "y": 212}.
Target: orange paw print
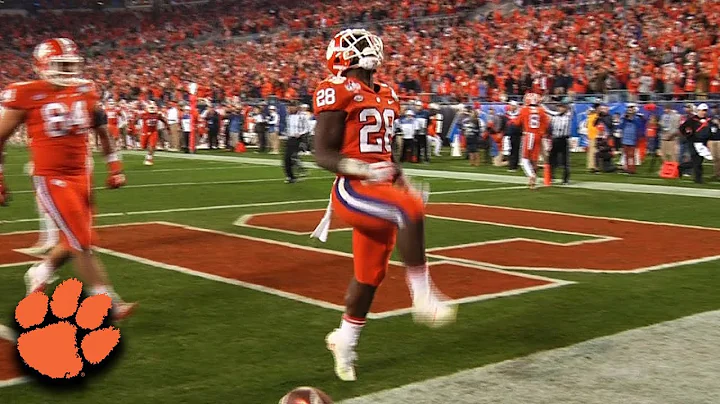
{"x": 53, "y": 350}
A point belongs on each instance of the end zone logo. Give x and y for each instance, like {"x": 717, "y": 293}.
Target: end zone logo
{"x": 50, "y": 345}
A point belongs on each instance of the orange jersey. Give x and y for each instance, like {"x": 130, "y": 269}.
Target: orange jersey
{"x": 534, "y": 120}
{"x": 370, "y": 116}
{"x": 58, "y": 121}
{"x": 436, "y": 124}
{"x": 150, "y": 122}
{"x": 113, "y": 113}
{"x": 132, "y": 119}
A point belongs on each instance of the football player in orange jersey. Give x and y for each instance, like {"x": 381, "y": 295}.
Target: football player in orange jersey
{"x": 535, "y": 124}
{"x": 353, "y": 138}
{"x": 435, "y": 129}
{"x": 149, "y": 138}
{"x": 113, "y": 116}
{"x": 60, "y": 112}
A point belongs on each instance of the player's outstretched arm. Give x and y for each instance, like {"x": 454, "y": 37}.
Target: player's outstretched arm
{"x": 116, "y": 178}
{"x": 10, "y": 119}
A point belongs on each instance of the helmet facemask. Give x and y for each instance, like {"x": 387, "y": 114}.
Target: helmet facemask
{"x": 355, "y": 49}
{"x": 62, "y": 71}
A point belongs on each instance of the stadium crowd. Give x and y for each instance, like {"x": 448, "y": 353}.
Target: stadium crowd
{"x": 658, "y": 47}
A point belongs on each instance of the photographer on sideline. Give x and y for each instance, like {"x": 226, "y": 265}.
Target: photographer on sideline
{"x": 698, "y": 130}
{"x": 631, "y": 126}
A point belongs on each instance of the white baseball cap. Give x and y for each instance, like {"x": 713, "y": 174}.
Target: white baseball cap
{"x": 702, "y": 107}
{"x": 513, "y": 103}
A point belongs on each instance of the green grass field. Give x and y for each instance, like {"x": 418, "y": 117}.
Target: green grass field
{"x": 198, "y": 340}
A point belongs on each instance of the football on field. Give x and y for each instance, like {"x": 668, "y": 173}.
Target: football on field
{"x": 306, "y": 395}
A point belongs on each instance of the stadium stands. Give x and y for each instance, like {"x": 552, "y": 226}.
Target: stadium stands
{"x": 258, "y": 49}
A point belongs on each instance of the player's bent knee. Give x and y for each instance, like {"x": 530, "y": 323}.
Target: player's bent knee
{"x": 372, "y": 277}
{"x": 414, "y": 209}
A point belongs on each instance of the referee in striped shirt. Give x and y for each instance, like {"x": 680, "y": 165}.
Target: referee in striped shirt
{"x": 560, "y": 149}
{"x": 297, "y": 126}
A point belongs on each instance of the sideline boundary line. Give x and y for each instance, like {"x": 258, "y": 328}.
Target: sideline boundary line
{"x": 463, "y": 175}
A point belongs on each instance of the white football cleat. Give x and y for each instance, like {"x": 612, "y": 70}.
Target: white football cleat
{"x": 344, "y": 356}
{"x": 37, "y": 282}
{"x": 531, "y": 182}
{"x": 432, "y": 310}
{"x": 148, "y": 162}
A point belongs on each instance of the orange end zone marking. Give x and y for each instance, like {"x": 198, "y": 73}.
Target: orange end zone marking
{"x": 302, "y": 273}
{"x": 10, "y": 372}
{"x": 9, "y": 367}
{"x": 297, "y": 222}
{"x": 629, "y": 245}
{"x": 13, "y": 241}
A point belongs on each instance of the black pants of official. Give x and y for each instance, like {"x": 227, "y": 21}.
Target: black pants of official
{"x": 559, "y": 157}
{"x": 514, "y": 159}
{"x": 213, "y": 138}
{"x": 261, "y": 139}
{"x": 697, "y": 161}
{"x": 227, "y": 138}
{"x": 421, "y": 147}
{"x": 186, "y": 142}
{"x": 408, "y": 149}
{"x": 291, "y": 149}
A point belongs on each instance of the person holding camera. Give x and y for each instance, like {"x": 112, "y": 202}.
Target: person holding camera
{"x": 698, "y": 130}
{"x": 631, "y": 126}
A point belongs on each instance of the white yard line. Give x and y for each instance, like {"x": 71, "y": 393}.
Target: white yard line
{"x": 248, "y": 205}
{"x": 7, "y": 333}
{"x": 13, "y": 382}
{"x": 674, "y": 362}
{"x": 167, "y": 170}
{"x": 185, "y": 184}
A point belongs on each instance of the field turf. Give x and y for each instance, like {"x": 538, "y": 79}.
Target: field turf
{"x": 209, "y": 334}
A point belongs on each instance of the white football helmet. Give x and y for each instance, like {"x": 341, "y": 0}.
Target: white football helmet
{"x": 353, "y": 48}
{"x": 58, "y": 61}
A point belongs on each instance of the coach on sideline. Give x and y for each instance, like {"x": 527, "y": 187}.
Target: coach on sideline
{"x": 297, "y": 127}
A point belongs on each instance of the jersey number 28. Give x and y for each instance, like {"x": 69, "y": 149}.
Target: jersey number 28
{"x": 59, "y": 120}
{"x": 376, "y": 137}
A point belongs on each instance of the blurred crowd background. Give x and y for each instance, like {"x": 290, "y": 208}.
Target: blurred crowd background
{"x": 436, "y": 50}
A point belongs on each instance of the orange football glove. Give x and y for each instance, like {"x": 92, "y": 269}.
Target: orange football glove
{"x": 4, "y": 192}
{"x": 116, "y": 178}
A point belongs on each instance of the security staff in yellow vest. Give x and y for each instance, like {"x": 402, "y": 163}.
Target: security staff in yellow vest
{"x": 592, "y": 132}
